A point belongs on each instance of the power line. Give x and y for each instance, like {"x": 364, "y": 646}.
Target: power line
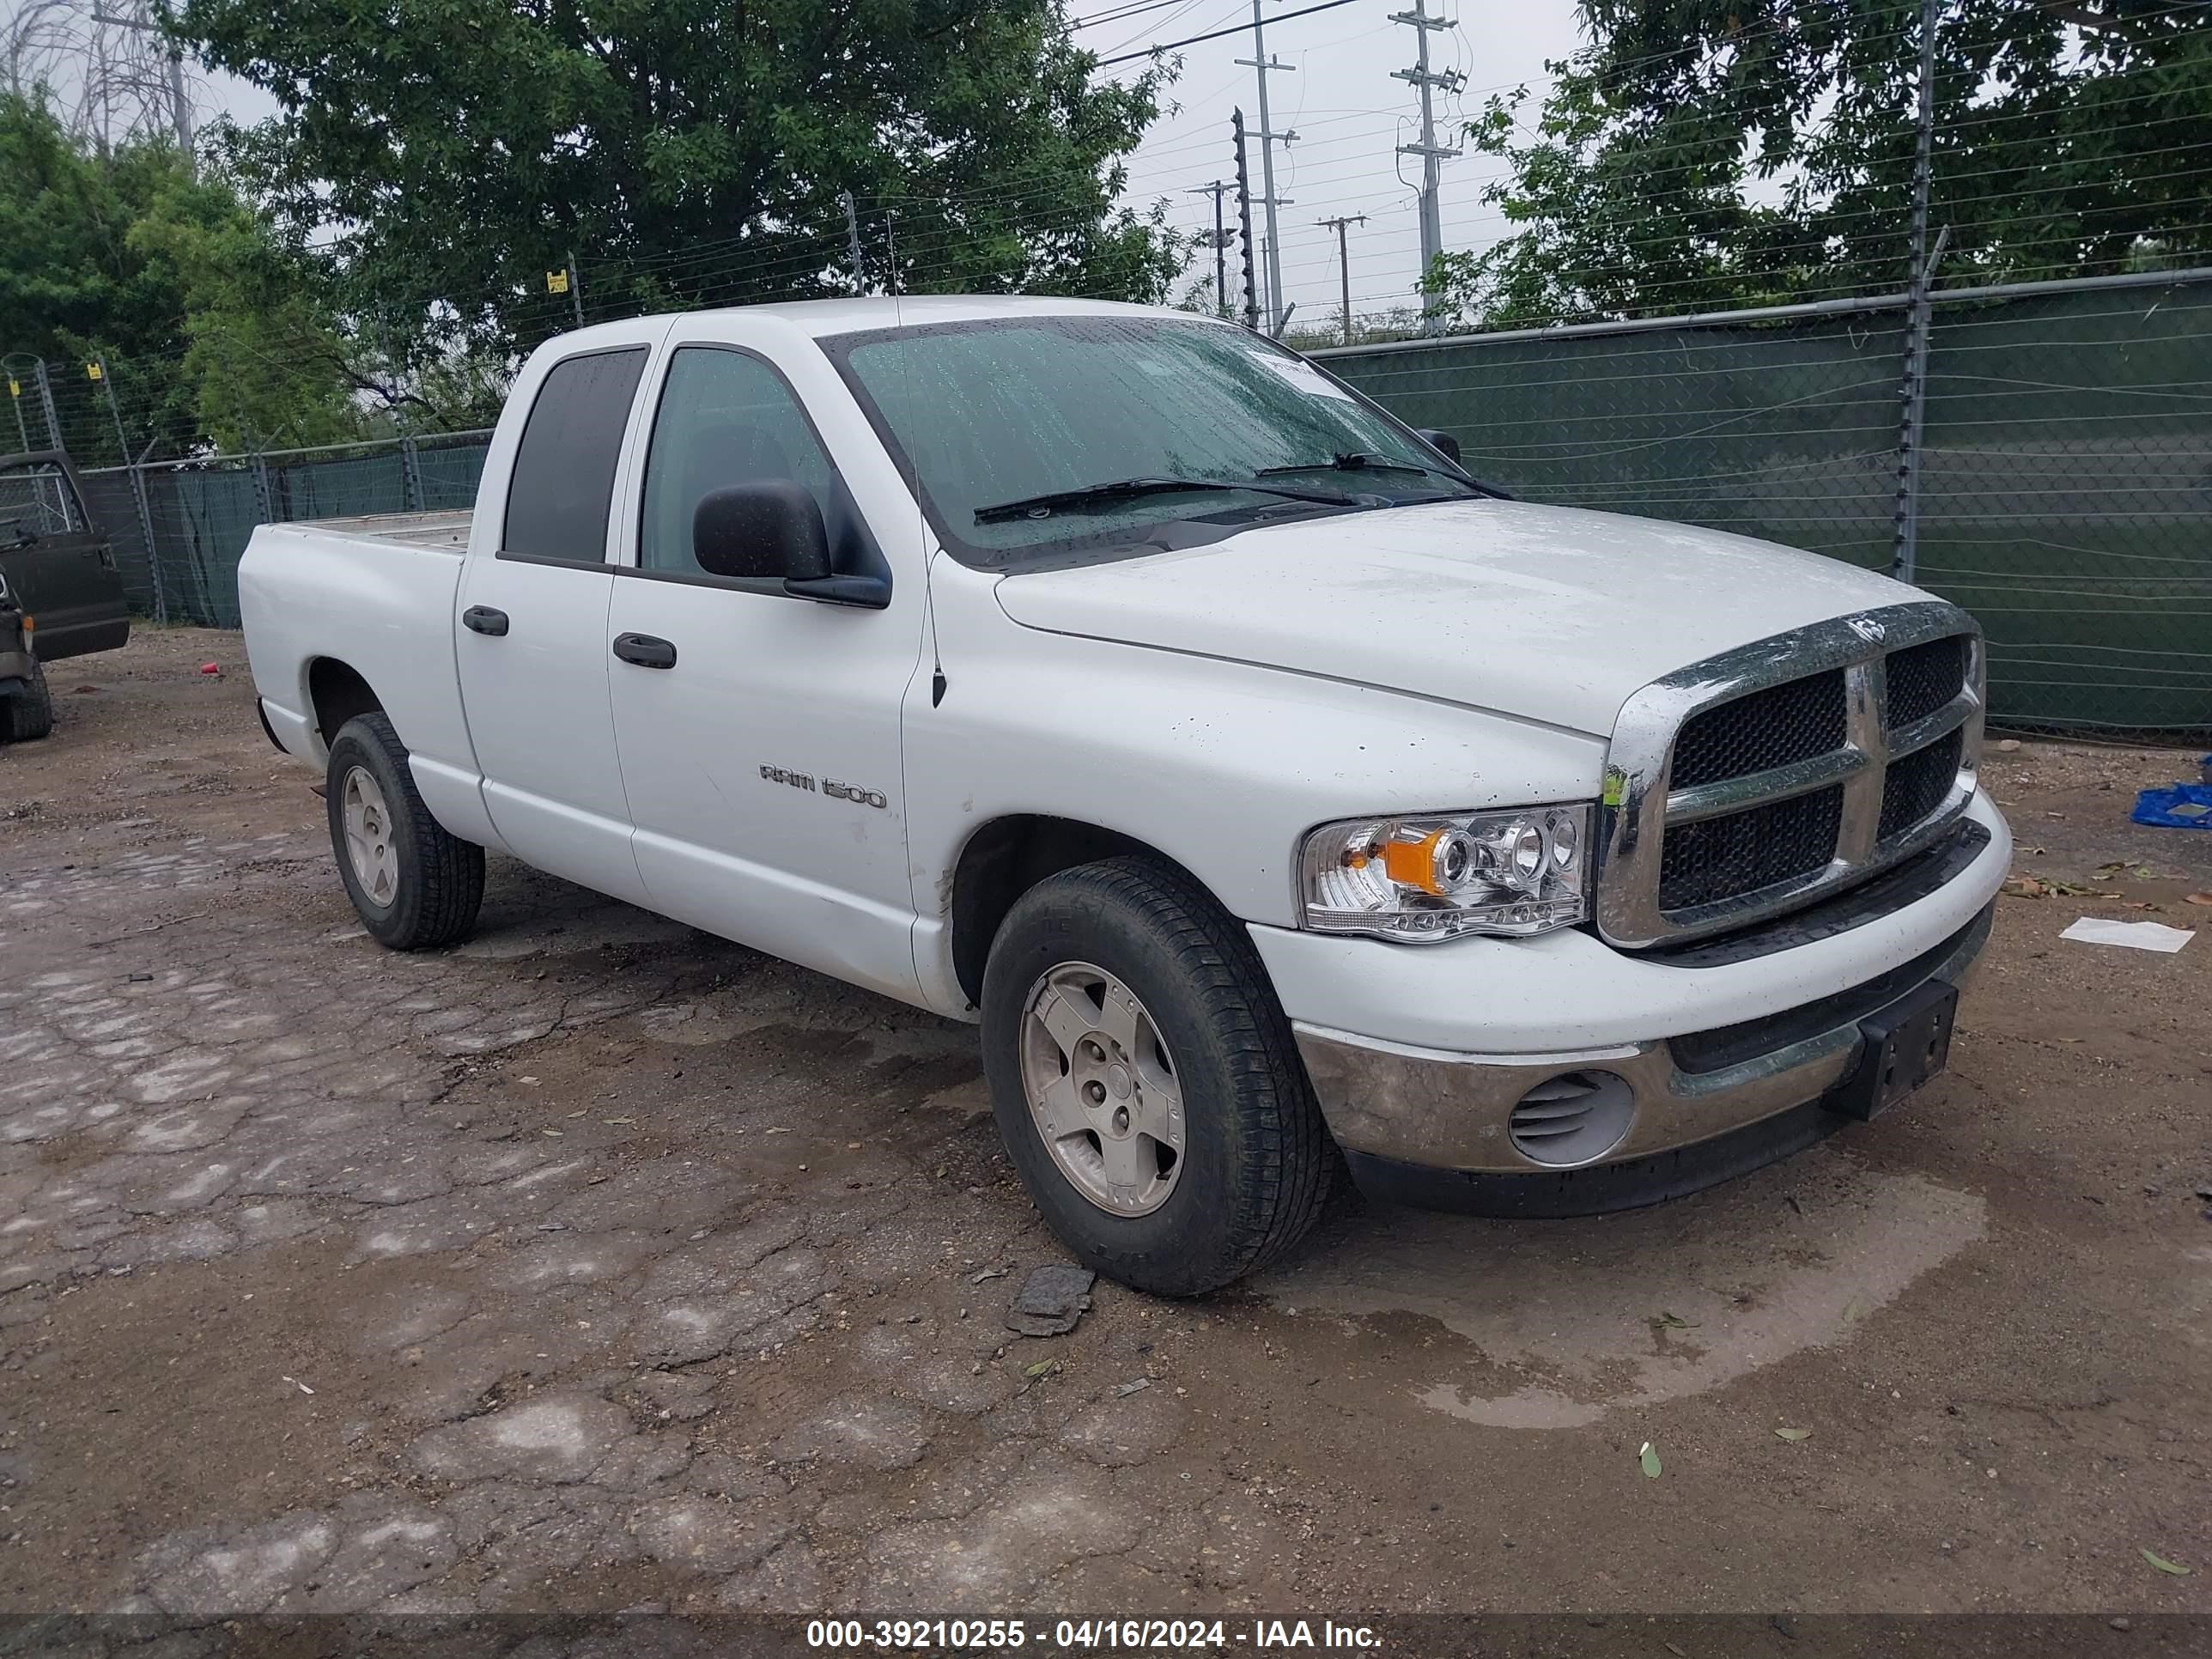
{"x": 1116, "y": 14}
{"x": 1235, "y": 29}
{"x": 1183, "y": 11}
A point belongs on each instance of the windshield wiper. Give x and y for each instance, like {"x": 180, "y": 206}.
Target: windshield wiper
{"x": 1359, "y": 461}
{"x": 1123, "y": 489}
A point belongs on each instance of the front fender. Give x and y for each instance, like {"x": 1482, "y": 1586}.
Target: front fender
{"x": 1222, "y": 766}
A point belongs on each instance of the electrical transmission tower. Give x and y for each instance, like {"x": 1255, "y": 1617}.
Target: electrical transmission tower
{"x": 1432, "y": 154}
{"x": 135, "y": 23}
{"x": 108, "y": 67}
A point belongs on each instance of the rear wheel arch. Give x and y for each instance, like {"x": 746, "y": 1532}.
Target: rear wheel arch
{"x": 336, "y": 692}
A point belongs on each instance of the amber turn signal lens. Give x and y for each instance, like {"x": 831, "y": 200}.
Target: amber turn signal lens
{"x": 1413, "y": 863}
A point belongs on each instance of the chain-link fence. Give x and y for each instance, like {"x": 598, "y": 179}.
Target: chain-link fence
{"x": 180, "y": 527}
{"x": 2064, "y": 485}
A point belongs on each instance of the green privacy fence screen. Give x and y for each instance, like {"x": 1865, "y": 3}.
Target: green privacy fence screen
{"x": 2065, "y": 486}
{"x": 200, "y": 513}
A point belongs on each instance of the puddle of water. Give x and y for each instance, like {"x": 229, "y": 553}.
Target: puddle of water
{"x": 1573, "y": 1319}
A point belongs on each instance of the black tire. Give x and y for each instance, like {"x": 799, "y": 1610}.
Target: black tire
{"x": 29, "y": 716}
{"x": 1257, "y": 1163}
{"x": 440, "y": 883}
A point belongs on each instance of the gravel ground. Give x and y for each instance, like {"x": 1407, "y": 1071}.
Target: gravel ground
{"x": 598, "y": 1264}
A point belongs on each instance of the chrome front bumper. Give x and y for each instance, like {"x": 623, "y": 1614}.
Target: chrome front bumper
{"x": 1435, "y": 1110}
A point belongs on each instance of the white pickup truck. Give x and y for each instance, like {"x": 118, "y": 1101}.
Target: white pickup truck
{"x": 1274, "y": 795}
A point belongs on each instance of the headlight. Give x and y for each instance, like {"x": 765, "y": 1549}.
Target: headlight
{"x": 1524, "y": 871}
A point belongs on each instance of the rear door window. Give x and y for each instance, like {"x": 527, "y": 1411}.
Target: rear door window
{"x": 564, "y": 485}
{"x": 36, "y": 501}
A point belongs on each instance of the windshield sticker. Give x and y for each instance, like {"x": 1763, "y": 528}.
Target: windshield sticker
{"x": 1302, "y": 375}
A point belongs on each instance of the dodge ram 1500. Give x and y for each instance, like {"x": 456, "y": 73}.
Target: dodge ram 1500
{"x": 1275, "y": 795}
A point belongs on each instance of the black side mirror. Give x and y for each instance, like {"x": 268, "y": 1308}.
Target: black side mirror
{"x": 771, "y": 527}
{"x": 1443, "y": 442}
{"x": 774, "y": 527}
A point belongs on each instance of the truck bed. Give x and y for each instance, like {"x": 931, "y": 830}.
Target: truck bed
{"x": 444, "y": 530}
{"x": 378, "y": 594}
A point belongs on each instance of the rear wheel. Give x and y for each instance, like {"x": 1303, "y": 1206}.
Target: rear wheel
{"x": 414, "y": 886}
{"x": 1145, "y": 1082}
{"x": 29, "y": 714}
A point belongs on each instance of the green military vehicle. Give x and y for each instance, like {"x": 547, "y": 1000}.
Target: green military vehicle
{"x": 60, "y": 592}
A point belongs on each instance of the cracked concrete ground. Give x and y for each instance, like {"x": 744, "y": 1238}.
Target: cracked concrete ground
{"x": 597, "y": 1264}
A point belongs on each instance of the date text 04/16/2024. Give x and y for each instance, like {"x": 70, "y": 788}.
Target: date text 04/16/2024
{"x": 1074, "y": 1635}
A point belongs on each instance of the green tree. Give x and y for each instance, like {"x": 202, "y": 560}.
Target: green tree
{"x": 264, "y": 365}
{"x": 206, "y": 322}
{"x": 686, "y": 151}
{"x": 1706, "y": 154}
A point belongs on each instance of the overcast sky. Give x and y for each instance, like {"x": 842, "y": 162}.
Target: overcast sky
{"x": 1350, "y": 117}
{"x": 1338, "y": 98}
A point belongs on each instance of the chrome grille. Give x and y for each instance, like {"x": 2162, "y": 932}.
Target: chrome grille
{"x": 1754, "y": 782}
{"x": 1923, "y": 677}
{"x": 1792, "y": 721}
{"x": 1713, "y": 860}
{"x": 1918, "y": 784}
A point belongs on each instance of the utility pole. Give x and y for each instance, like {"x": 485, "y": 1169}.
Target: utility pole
{"x": 1220, "y": 244}
{"x": 1244, "y": 223}
{"x": 1262, "y": 65}
{"x": 853, "y": 236}
{"x": 1431, "y": 152}
{"x": 1343, "y": 261}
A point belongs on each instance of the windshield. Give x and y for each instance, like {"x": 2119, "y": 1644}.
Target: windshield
{"x": 991, "y": 413}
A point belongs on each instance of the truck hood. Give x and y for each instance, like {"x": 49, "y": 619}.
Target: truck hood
{"x": 1546, "y": 613}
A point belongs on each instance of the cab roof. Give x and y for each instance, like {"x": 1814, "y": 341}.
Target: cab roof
{"x": 825, "y": 317}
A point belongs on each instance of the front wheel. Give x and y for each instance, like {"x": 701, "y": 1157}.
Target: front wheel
{"x": 1145, "y": 1082}
{"x": 414, "y": 886}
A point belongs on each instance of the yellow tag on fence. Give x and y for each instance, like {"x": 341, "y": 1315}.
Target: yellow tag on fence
{"x": 557, "y": 282}
{"x": 92, "y": 371}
